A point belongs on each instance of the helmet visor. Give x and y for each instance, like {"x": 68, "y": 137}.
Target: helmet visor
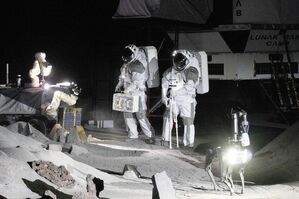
{"x": 179, "y": 61}
{"x": 127, "y": 55}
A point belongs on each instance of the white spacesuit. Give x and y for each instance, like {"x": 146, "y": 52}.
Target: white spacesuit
{"x": 179, "y": 85}
{"x": 132, "y": 80}
{"x": 58, "y": 96}
{"x": 40, "y": 67}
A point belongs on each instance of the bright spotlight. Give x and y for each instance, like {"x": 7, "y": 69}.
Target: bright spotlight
{"x": 46, "y": 86}
{"x": 65, "y": 83}
{"x": 234, "y": 156}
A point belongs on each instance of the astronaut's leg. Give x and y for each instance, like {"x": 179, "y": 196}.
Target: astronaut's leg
{"x": 145, "y": 125}
{"x": 57, "y": 98}
{"x": 167, "y": 126}
{"x": 188, "y": 114}
{"x": 131, "y": 124}
{"x": 189, "y": 132}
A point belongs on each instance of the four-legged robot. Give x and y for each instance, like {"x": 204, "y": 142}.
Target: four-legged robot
{"x": 234, "y": 155}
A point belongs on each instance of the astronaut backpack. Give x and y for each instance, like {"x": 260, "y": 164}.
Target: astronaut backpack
{"x": 153, "y": 80}
{"x": 203, "y": 83}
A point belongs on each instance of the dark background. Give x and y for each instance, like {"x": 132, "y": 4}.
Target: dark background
{"x": 83, "y": 43}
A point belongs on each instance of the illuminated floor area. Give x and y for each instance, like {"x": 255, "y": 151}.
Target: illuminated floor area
{"x": 108, "y": 152}
{"x": 185, "y": 166}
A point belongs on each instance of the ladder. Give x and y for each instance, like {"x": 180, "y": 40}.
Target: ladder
{"x": 284, "y": 83}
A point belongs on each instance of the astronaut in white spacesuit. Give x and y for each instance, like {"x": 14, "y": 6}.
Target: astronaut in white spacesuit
{"x": 132, "y": 80}
{"x": 70, "y": 97}
{"x": 40, "y": 68}
{"x": 179, "y": 84}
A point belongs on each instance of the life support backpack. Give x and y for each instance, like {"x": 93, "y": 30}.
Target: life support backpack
{"x": 202, "y": 67}
{"x": 152, "y": 68}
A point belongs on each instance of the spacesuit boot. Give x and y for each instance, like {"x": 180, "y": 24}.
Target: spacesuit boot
{"x": 189, "y": 133}
{"x": 147, "y": 129}
{"x": 59, "y": 96}
{"x": 145, "y": 125}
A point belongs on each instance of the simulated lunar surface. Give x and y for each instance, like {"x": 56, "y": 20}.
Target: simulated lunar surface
{"x": 108, "y": 165}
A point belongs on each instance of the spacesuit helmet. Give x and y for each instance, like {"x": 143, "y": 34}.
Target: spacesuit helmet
{"x": 129, "y": 53}
{"x": 40, "y": 56}
{"x": 180, "y": 60}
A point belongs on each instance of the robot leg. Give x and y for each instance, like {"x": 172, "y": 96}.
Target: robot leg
{"x": 210, "y": 155}
{"x": 228, "y": 184}
{"x": 241, "y": 172}
{"x": 229, "y": 181}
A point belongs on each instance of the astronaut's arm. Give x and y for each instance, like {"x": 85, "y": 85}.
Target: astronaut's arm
{"x": 121, "y": 78}
{"x": 35, "y": 70}
{"x": 33, "y": 74}
{"x": 46, "y": 68}
{"x": 119, "y": 85}
{"x": 164, "y": 88}
{"x": 192, "y": 76}
{"x": 138, "y": 82}
{"x": 137, "y": 77}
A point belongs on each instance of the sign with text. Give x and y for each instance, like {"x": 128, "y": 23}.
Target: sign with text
{"x": 272, "y": 41}
{"x": 265, "y": 11}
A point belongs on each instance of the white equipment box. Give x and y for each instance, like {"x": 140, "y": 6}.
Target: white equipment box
{"x": 125, "y": 103}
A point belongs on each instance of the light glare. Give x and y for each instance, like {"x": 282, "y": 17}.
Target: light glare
{"x": 234, "y": 156}
{"x": 46, "y": 86}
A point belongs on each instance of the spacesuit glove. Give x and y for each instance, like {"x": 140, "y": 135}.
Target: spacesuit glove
{"x": 128, "y": 92}
{"x": 141, "y": 87}
{"x": 130, "y": 89}
{"x": 190, "y": 85}
{"x": 42, "y": 83}
{"x": 117, "y": 89}
{"x": 165, "y": 101}
{"x": 190, "y": 88}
